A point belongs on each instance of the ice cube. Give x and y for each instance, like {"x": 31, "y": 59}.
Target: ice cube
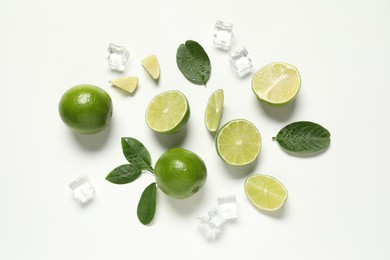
{"x": 82, "y": 189}
{"x": 211, "y": 223}
{"x": 241, "y": 61}
{"x": 117, "y": 57}
{"x": 223, "y": 34}
{"x": 228, "y": 207}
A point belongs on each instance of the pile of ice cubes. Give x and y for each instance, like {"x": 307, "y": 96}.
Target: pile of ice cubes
{"x": 239, "y": 58}
{"x": 211, "y": 222}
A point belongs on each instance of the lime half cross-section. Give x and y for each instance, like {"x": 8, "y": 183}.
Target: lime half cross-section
{"x": 238, "y": 142}
{"x": 265, "y": 192}
{"x": 168, "y": 112}
{"x": 276, "y": 83}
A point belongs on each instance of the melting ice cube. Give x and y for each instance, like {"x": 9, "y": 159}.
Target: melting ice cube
{"x": 228, "y": 207}
{"x": 82, "y": 189}
{"x": 223, "y": 34}
{"x": 211, "y": 223}
{"x": 241, "y": 61}
{"x": 117, "y": 57}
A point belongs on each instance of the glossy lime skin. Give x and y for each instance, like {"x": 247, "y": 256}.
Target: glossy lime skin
{"x": 86, "y": 109}
{"x": 180, "y": 173}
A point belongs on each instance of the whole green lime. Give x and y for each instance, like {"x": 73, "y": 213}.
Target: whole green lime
{"x": 86, "y": 109}
{"x": 180, "y": 173}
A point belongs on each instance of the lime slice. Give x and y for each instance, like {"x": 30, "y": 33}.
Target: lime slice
{"x": 128, "y": 84}
{"x": 276, "y": 83}
{"x": 265, "y": 192}
{"x": 152, "y": 66}
{"x": 213, "y": 114}
{"x": 238, "y": 142}
{"x": 168, "y": 112}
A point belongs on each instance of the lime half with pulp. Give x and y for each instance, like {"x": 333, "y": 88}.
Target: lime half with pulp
{"x": 238, "y": 142}
{"x": 276, "y": 83}
{"x": 265, "y": 192}
{"x": 168, "y": 112}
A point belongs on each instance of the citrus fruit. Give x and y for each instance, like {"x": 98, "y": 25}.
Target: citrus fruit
{"x": 86, "y": 109}
{"x": 213, "y": 114}
{"x": 238, "y": 142}
{"x": 168, "y": 112}
{"x": 180, "y": 173}
{"x": 128, "y": 84}
{"x": 265, "y": 192}
{"x": 152, "y": 66}
{"x": 276, "y": 83}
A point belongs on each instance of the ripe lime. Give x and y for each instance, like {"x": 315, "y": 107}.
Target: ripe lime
{"x": 276, "y": 83}
{"x": 180, "y": 173}
{"x": 265, "y": 192}
{"x": 238, "y": 142}
{"x": 168, "y": 112}
{"x": 86, "y": 109}
{"x": 213, "y": 113}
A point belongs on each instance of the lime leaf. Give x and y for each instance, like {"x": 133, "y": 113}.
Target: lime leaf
{"x": 136, "y": 153}
{"x": 193, "y": 62}
{"x": 147, "y": 204}
{"x": 303, "y": 137}
{"x": 124, "y": 174}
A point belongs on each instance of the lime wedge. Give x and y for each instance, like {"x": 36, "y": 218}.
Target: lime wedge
{"x": 265, "y": 192}
{"x": 276, "y": 83}
{"x": 128, "y": 84}
{"x": 168, "y": 112}
{"x": 213, "y": 114}
{"x": 238, "y": 142}
{"x": 152, "y": 66}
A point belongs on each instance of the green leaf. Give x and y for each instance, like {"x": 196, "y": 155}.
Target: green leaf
{"x": 124, "y": 174}
{"x": 136, "y": 153}
{"x": 303, "y": 137}
{"x": 193, "y": 62}
{"x": 147, "y": 204}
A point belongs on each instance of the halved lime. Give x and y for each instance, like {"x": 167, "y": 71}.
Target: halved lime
{"x": 152, "y": 66}
{"x": 238, "y": 142}
{"x": 213, "y": 114}
{"x": 128, "y": 84}
{"x": 276, "y": 83}
{"x": 168, "y": 112}
{"x": 265, "y": 192}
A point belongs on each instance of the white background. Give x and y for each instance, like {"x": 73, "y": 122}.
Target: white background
{"x": 339, "y": 201}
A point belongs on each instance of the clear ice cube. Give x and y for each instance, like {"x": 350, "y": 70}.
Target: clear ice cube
{"x": 241, "y": 61}
{"x": 228, "y": 207}
{"x": 82, "y": 189}
{"x": 223, "y": 34}
{"x": 211, "y": 223}
{"x": 117, "y": 57}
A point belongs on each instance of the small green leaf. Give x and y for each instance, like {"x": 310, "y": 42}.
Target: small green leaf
{"x": 147, "y": 204}
{"x": 124, "y": 174}
{"x": 303, "y": 137}
{"x": 193, "y": 62}
{"x": 136, "y": 153}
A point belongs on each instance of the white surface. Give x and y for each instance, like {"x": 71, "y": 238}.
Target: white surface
{"x": 339, "y": 201}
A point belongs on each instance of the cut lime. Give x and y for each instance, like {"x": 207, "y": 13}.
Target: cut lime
{"x": 152, "y": 66}
{"x": 265, "y": 192}
{"x": 238, "y": 142}
{"x": 276, "y": 83}
{"x": 168, "y": 112}
{"x": 213, "y": 114}
{"x": 128, "y": 84}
